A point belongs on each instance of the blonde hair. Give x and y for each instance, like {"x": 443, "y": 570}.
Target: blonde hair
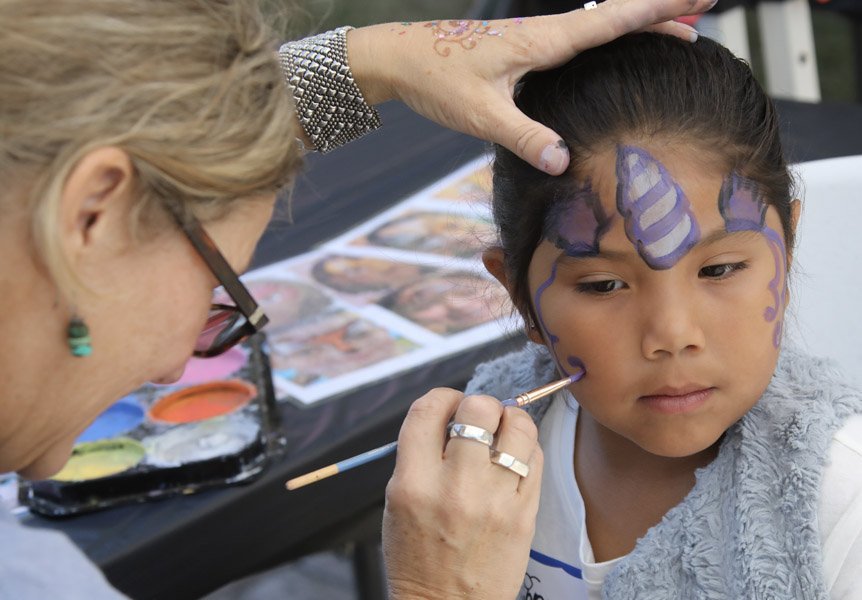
{"x": 191, "y": 90}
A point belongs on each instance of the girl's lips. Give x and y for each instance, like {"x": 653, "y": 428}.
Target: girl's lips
{"x": 677, "y": 403}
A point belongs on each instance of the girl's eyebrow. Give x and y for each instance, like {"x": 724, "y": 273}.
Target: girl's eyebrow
{"x": 719, "y": 235}
{"x": 713, "y": 237}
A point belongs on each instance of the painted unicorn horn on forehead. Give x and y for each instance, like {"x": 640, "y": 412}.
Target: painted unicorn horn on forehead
{"x": 658, "y": 217}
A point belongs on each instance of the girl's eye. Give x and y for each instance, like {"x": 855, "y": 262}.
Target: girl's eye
{"x": 600, "y": 287}
{"x": 722, "y": 271}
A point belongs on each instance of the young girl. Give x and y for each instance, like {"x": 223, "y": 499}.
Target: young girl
{"x": 700, "y": 456}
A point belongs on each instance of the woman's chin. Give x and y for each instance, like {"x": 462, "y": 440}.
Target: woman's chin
{"x": 48, "y": 464}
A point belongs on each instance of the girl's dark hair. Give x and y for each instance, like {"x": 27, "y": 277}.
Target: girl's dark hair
{"x": 640, "y": 86}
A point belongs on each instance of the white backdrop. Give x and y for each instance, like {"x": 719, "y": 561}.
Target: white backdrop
{"x": 826, "y": 277}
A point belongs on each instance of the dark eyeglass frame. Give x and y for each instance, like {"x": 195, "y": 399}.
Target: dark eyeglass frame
{"x": 245, "y": 304}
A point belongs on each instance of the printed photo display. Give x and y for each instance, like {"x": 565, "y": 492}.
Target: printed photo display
{"x": 395, "y": 292}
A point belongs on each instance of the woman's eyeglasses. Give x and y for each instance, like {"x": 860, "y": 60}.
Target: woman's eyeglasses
{"x": 227, "y": 325}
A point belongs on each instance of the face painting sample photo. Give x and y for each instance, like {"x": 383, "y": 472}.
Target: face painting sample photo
{"x": 442, "y": 233}
{"x": 331, "y": 345}
{"x": 449, "y": 302}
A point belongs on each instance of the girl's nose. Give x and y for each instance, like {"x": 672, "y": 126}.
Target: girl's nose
{"x": 671, "y": 326}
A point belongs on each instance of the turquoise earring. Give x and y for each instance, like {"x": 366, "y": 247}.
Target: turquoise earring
{"x": 78, "y": 337}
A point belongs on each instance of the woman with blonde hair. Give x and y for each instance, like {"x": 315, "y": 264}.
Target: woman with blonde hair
{"x": 141, "y": 148}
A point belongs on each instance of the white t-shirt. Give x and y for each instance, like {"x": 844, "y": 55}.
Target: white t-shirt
{"x": 562, "y": 565}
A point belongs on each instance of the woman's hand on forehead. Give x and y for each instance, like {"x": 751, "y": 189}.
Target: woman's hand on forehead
{"x": 474, "y": 65}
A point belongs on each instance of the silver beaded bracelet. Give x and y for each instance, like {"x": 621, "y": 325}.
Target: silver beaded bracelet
{"x": 329, "y": 104}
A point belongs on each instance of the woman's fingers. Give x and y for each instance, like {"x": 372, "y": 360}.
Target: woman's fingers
{"x": 462, "y": 74}
{"x": 456, "y": 524}
{"x": 609, "y": 20}
{"x": 421, "y": 440}
{"x": 531, "y": 485}
{"x": 680, "y": 30}
{"x": 478, "y": 414}
{"x": 540, "y": 146}
{"x": 551, "y": 40}
{"x": 485, "y": 440}
{"x": 517, "y": 438}
{"x": 578, "y": 30}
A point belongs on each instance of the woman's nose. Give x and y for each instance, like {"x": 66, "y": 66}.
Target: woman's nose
{"x": 672, "y": 325}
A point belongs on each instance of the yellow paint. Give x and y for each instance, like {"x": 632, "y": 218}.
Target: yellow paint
{"x": 92, "y": 460}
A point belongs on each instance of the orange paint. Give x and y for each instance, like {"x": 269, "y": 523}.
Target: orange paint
{"x": 201, "y": 402}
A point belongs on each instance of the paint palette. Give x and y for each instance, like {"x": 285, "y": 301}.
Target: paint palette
{"x": 213, "y": 427}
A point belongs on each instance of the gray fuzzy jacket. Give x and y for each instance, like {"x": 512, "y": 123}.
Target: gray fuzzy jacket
{"x": 749, "y": 527}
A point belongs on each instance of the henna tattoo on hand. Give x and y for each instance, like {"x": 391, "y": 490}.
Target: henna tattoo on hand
{"x": 464, "y": 33}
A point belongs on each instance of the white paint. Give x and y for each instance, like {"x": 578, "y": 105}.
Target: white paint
{"x": 200, "y": 441}
{"x": 659, "y": 210}
{"x": 672, "y": 241}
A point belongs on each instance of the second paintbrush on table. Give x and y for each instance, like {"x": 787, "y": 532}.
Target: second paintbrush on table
{"x": 520, "y": 400}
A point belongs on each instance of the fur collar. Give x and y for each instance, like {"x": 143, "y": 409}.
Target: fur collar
{"x": 749, "y": 527}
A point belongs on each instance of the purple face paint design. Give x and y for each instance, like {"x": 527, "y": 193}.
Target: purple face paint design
{"x": 741, "y": 204}
{"x": 658, "y": 216}
{"x": 575, "y": 226}
{"x": 575, "y": 364}
{"x": 744, "y": 209}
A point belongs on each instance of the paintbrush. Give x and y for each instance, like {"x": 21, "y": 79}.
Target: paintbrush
{"x": 520, "y": 400}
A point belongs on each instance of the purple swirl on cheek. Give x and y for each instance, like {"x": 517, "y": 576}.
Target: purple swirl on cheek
{"x": 575, "y": 225}
{"x": 658, "y": 217}
{"x": 537, "y": 302}
{"x": 743, "y": 208}
{"x": 552, "y": 339}
{"x": 577, "y": 363}
{"x": 779, "y": 280}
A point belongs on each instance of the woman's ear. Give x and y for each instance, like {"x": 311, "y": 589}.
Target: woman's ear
{"x": 95, "y": 200}
{"x": 494, "y": 260}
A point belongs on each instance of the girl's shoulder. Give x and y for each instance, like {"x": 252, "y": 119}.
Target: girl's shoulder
{"x": 513, "y": 373}
{"x": 37, "y": 563}
{"x": 842, "y": 481}
{"x": 840, "y": 511}
{"x": 810, "y": 388}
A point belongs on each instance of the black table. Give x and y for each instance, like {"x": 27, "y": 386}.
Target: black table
{"x": 187, "y": 546}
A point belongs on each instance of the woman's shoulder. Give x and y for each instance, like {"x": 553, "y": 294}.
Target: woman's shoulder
{"x": 36, "y": 564}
